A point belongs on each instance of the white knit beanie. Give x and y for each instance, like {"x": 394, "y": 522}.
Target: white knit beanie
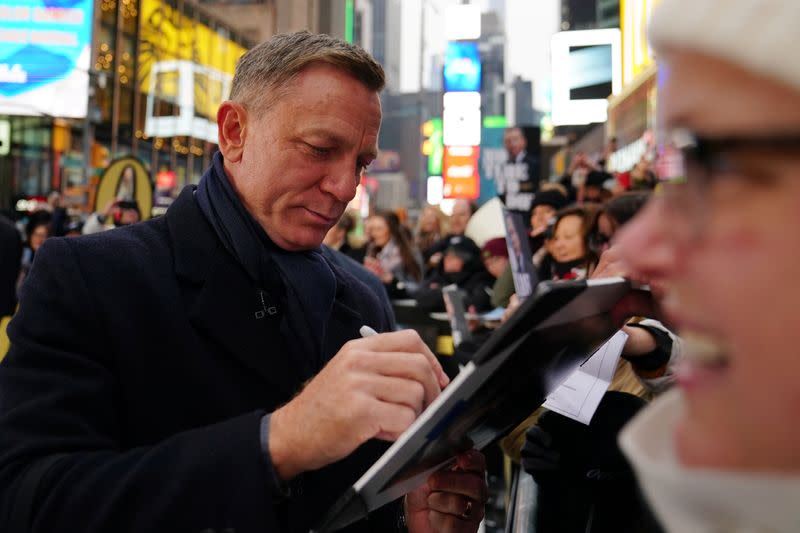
{"x": 762, "y": 36}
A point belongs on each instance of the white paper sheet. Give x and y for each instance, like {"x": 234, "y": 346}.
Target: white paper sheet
{"x": 579, "y": 396}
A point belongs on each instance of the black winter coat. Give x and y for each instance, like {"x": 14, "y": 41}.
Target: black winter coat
{"x": 132, "y": 396}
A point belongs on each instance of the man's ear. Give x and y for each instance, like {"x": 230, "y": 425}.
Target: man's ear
{"x": 232, "y": 129}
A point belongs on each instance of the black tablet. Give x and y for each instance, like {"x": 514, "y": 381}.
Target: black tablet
{"x": 523, "y": 361}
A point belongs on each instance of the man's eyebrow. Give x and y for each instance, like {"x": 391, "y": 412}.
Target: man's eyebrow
{"x": 324, "y": 133}
{"x": 332, "y": 137}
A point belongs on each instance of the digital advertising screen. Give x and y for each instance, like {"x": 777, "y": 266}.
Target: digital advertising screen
{"x": 184, "y": 63}
{"x": 44, "y": 57}
{"x": 587, "y": 69}
{"x": 462, "y": 67}
{"x": 461, "y": 178}
{"x": 590, "y": 72}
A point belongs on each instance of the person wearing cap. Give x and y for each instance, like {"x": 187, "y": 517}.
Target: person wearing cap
{"x": 545, "y": 204}
{"x": 721, "y": 452}
{"x": 462, "y": 212}
{"x": 495, "y": 256}
{"x": 73, "y": 229}
{"x": 117, "y": 213}
{"x": 543, "y": 210}
{"x": 594, "y": 190}
{"x": 462, "y": 266}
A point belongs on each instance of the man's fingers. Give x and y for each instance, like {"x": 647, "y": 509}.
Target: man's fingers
{"x": 397, "y": 390}
{"x": 405, "y": 341}
{"x": 410, "y": 366}
{"x": 391, "y": 419}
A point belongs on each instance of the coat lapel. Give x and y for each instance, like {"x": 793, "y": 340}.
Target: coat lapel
{"x": 229, "y": 310}
{"x": 222, "y": 304}
{"x": 345, "y": 319}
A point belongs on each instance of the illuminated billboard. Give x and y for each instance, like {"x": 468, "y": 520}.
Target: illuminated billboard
{"x": 44, "y": 57}
{"x": 636, "y": 52}
{"x": 462, "y": 22}
{"x": 587, "y": 69}
{"x": 461, "y": 178}
{"x": 187, "y": 65}
{"x": 462, "y": 67}
{"x": 461, "y": 119}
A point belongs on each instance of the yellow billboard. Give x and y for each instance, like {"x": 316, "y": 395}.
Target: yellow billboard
{"x": 636, "y": 52}
{"x": 169, "y": 40}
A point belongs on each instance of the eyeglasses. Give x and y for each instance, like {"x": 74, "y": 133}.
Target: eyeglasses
{"x": 691, "y": 163}
{"x": 705, "y": 157}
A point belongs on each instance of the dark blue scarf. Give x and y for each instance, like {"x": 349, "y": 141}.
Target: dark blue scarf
{"x": 306, "y": 277}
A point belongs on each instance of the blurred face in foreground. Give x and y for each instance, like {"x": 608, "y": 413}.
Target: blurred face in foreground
{"x": 725, "y": 245}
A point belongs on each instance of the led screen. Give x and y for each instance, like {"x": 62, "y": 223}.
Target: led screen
{"x": 462, "y": 67}
{"x": 44, "y": 57}
{"x": 590, "y": 72}
{"x": 587, "y": 69}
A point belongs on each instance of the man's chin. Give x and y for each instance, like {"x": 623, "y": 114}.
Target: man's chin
{"x": 306, "y": 240}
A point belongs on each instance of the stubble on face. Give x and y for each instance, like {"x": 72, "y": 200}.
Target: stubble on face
{"x": 303, "y": 156}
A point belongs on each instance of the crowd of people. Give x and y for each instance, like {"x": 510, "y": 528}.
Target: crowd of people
{"x": 50, "y": 219}
{"x": 566, "y": 240}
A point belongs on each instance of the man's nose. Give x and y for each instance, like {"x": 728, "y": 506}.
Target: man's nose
{"x": 646, "y": 244}
{"x": 340, "y": 182}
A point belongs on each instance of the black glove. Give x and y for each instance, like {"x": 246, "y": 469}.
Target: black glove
{"x": 537, "y": 454}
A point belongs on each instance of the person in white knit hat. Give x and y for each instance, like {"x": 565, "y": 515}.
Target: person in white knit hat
{"x": 722, "y": 451}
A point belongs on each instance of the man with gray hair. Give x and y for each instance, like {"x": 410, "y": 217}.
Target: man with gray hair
{"x": 722, "y": 451}
{"x": 204, "y": 371}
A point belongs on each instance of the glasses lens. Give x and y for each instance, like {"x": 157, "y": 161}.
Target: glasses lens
{"x": 678, "y": 153}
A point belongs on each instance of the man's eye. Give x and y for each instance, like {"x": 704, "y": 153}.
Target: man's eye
{"x": 320, "y": 150}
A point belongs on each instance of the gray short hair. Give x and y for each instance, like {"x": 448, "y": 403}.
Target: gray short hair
{"x": 264, "y": 72}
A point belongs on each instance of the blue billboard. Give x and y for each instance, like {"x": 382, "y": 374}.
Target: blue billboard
{"x": 462, "y": 67}
{"x": 44, "y": 57}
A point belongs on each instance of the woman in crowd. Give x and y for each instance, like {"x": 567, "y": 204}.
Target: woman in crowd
{"x": 337, "y": 238}
{"x": 390, "y": 255}
{"x": 430, "y": 229}
{"x": 615, "y": 213}
{"x": 569, "y": 256}
{"x": 36, "y": 230}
